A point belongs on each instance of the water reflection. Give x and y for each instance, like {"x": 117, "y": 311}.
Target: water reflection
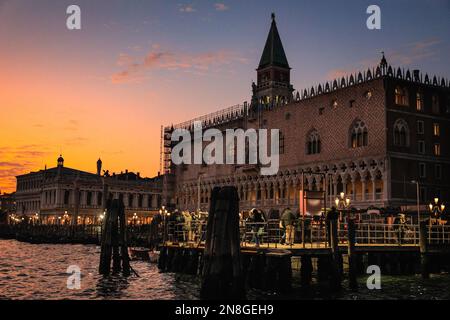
{"x": 39, "y": 272}
{"x": 112, "y": 286}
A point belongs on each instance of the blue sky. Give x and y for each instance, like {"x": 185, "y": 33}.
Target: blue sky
{"x": 146, "y": 63}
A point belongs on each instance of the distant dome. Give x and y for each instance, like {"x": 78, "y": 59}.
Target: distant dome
{"x": 60, "y": 160}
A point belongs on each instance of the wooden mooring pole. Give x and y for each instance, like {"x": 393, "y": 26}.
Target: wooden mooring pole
{"x": 423, "y": 242}
{"x": 352, "y": 267}
{"x": 222, "y": 276}
{"x": 335, "y": 275}
{"x": 114, "y": 240}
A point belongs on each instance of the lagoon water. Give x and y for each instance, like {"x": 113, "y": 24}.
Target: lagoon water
{"x": 29, "y": 271}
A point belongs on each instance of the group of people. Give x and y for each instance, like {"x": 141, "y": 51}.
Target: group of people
{"x": 185, "y": 226}
{"x": 257, "y": 221}
{"x": 285, "y": 228}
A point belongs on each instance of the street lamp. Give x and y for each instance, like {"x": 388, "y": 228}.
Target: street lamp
{"x": 163, "y": 212}
{"x": 342, "y": 203}
{"x": 418, "y": 198}
{"x": 435, "y": 209}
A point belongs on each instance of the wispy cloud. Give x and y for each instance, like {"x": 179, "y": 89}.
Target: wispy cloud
{"x": 186, "y": 8}
{"x": 406, "y": 55}
{"x": 19, "y": 160}
{"x": 221, "y": 6}
{"x": 158, "y": 59}
{"x": 415, "y": 52}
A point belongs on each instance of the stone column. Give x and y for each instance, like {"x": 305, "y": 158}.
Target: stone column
{"x": 282, "y": 195}
{"x": 385, "y": 195}
{"x": 353, "y": 188}
{"x": 374, "y": 190}
{"x": 263, "y": 194}
{"x": 364, "y": 185}
{"x": 58, "y": 196}
{"x": 145, "y": 201}
{"x": 296, "y": 192}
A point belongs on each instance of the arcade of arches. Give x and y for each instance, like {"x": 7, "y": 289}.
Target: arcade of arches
{"x": 364, "y": 182}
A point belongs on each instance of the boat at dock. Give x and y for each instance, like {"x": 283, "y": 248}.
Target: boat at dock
{"x": 144, "y": 254}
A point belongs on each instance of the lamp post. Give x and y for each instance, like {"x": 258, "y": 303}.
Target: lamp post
{"x": 198, "y": 193}
{"x": 163, "y": 212}
{"x": 436, "y": 210}
{"x": 418, "y": 198}
{"x": 342, "y": 203}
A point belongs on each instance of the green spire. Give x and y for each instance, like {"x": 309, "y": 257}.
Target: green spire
{"x": 273, "y": 54}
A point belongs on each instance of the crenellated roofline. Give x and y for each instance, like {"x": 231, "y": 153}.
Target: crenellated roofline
{"x": 240, "y": 111}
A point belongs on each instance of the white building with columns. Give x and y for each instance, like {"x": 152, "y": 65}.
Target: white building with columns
{"x": 54, "y": 195}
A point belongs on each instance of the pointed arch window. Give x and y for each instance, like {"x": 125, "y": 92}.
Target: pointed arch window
{"x": 419, "y": 101}
{"x": 359, "y": 135}
{"x": 313, "y": 144}
{"x": 401, "y": 96}
{"x": 401, "y": 133}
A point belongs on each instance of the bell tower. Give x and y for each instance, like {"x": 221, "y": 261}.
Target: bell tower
{"x": 274, "y": 73}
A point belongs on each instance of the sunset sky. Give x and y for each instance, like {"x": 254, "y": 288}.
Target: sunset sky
{"x": 105, "y": 90}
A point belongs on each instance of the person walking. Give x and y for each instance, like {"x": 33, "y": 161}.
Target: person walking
{"x": 256, "y": 220}
{"x": 287, "y": 220}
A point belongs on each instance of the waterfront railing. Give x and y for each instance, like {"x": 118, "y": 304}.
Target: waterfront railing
{"x": 311, "y": 233}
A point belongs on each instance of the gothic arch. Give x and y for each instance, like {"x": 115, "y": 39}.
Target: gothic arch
{"x": 358, "y": 134}
{"x": 401, "y": 133}
{"x": 313, "y": 143}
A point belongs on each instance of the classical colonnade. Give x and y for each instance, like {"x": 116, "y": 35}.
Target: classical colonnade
{"x": 365, "y": 182}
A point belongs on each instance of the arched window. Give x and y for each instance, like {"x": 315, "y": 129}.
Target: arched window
{"x": 419, "y": 101}
{"x": 313, "y": 143}
{"x": 359, "y": 135}
{"x": 401, "y": 96}
{"x": 401, "y": 133}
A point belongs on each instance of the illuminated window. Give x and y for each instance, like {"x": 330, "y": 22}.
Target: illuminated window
{"x": 437, "y": 149}
{"x": 359, "y": 135}
{"x": 334, "y": 103}
{"x": 401, "y": 96}
{"x": 436, "y": 130}
{"x": 419, "y": 101}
